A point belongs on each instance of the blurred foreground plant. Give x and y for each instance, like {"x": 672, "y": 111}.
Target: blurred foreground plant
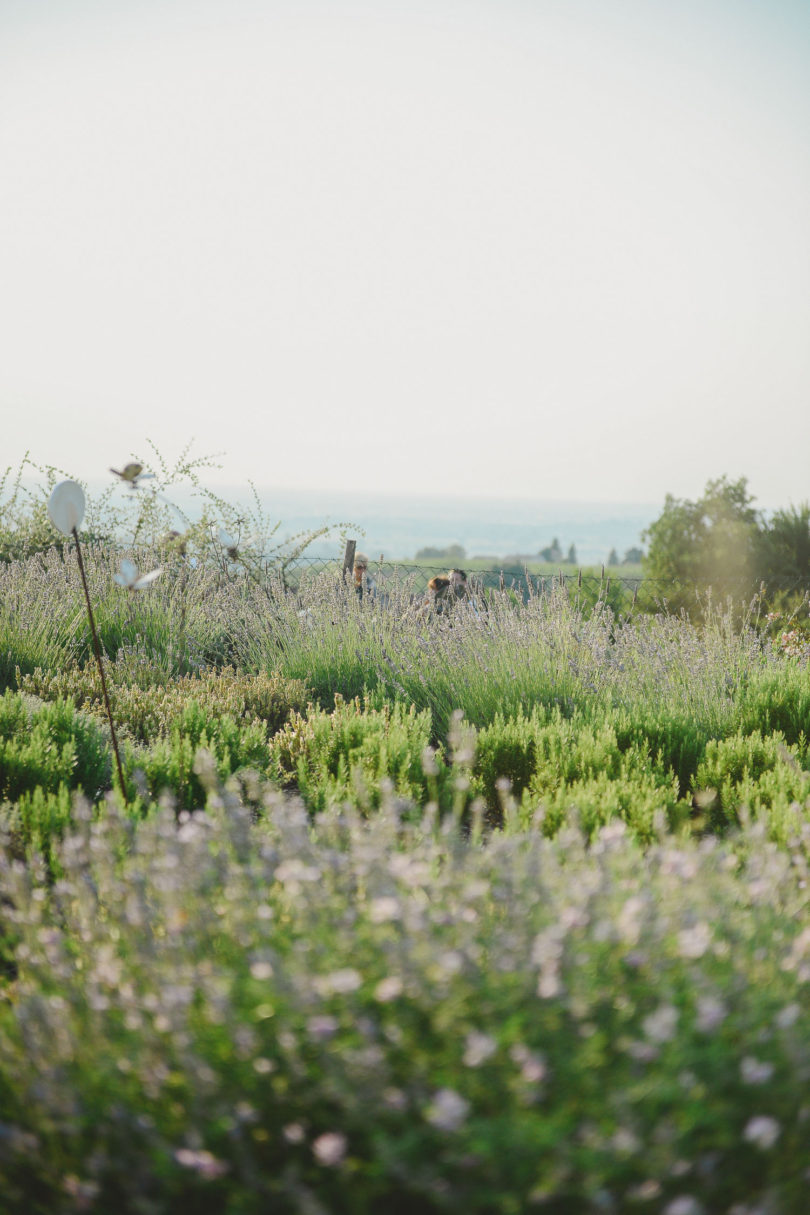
{"x": 371, "y": 1015}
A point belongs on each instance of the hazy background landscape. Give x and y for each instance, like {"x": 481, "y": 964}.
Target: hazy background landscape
{"x": 549, "y": 251}
{"x": 399, "y": 525}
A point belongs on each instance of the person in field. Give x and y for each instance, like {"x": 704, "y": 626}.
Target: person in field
{"x": 364, "y": 583}
{"x": 437, "y": 599}
{"x": 461, "y": 592}
{"x": 458, "y": 583}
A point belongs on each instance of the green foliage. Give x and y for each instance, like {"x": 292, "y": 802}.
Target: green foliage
{"x": 559, "y": 769}
{"x": 721, "y": 541}
{"x": 452, "y": 552}
{"x": 675, "y": 737}
{"x": 776, "y": 699}
{"x": 147, "y": 706}
{"x": 49, "y": 745}
{"x": 173, "y": 764}
{"x": 506, "y": 750}
{"x": 711, "y": 542}
{"x": 37, "y": 821}
{"x": 758, "y": 771}
{"x": 633, "y": 794}
{"x": 583, "y": 768}
{"x": 344, "y": 756}
{"x": 785, "y": 556}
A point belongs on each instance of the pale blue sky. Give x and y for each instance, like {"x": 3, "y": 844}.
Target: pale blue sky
{"x": 547, "y": 249}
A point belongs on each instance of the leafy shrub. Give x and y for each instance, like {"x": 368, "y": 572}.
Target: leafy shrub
{"x": 37, "y": 821}
{"x": 172, "y": 764}
{"x": 49, "y": 745}
{"x": 634, "y": 794}
{"x": 776, "y": 699}
{"x": 756, "y": 770}
{"x": 584, "y": 768}
{"x": 507, "y": 750}
{"x": 343, "y": 756}
{"x": 147, "y": 706}
{"x": 566, "y": 765}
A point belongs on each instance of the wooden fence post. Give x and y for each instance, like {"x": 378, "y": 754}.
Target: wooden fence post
{"x": 348, "y": 557}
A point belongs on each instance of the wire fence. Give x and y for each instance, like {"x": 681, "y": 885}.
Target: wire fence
{"x": 610, "y": 583}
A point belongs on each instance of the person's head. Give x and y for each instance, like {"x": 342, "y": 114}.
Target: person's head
{"x": 360, "y": 567}
{"x": 439, "y": 586}
{"x": 458, "y": 581}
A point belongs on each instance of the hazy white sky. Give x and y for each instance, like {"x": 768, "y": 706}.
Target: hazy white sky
{"x": 549, "y": 248}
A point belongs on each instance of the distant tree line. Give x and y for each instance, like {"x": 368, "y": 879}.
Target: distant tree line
{"x": 452, "y": 552}
{"x": 632, "y": 556}
{"x": 552, "y": 554}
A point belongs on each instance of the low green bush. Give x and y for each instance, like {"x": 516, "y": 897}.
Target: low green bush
{"x": 563, "y": 766}
{"x": 147, "y": 706}
{"x": 507, "y": 750}
{"x": 759, "y": 771}
{"x": 43, "y": 746}
{"x": 676, "y": 739}
{"x": 343, "y": 756}
{"x": 634, "y": 794}
{"x": 172, "y": 764}
{"x": 36, "y": 822}
{"x": 776, "y": 699}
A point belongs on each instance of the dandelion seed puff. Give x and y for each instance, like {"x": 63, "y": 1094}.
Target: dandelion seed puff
{"x": 229, "y": 543}
{"x": 66, "y": 507}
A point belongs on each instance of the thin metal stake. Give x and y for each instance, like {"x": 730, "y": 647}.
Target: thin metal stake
{"x": 97, "y": 652}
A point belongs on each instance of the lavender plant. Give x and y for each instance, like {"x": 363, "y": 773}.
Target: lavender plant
{"x": 366, "y": 1014}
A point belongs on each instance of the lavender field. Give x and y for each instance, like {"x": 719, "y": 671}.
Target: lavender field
{"x": 497, "y": 909}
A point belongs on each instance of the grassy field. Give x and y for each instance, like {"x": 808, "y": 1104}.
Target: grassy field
{"x": 494, "y": 911}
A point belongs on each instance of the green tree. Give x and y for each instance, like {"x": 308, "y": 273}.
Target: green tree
{"x": 613, "y": 557}
{"x": 715, "y": 541}
{"x": 452, "y": 552}
{"x": 785, "y": 549}
{"x": 553, "y": 553}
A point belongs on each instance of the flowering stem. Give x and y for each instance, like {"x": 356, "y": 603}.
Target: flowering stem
{"x": 97, "y": 652}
